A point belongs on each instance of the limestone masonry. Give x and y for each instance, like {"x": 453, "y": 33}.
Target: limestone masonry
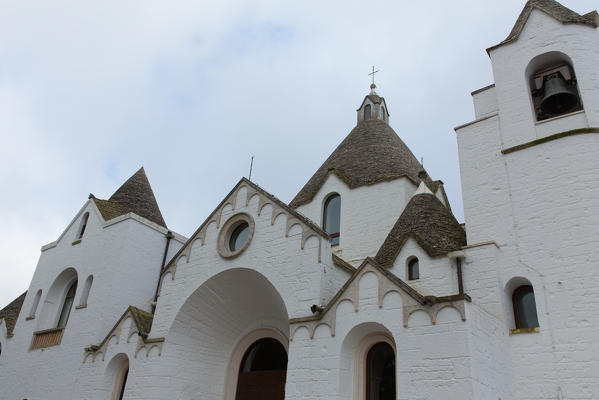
{"x": 364, "y": 286}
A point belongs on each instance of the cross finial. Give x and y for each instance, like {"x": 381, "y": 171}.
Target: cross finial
{"x": 372, "y": 73}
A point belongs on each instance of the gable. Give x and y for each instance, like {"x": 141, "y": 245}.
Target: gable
{"x": 553, "y": 9}
{"x": 388, "y": 282}
{"x": 278, "y": 207}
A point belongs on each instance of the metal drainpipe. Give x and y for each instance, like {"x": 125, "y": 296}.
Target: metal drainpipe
{"x": 169, "y": 236}
{"x": 458, "y": 261}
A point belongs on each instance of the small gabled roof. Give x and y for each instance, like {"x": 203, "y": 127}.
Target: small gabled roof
{"x": 371, "y": 153}
{"x": 430, "y": 223}
{"x": 10, "y": 313}
{"x": 143, "y": 322}
{"x": 553, "y": 9}
{"x": 375, "y": 99}
{"x": 136, "y": 196}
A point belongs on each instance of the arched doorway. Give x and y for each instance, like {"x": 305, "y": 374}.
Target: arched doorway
{"x": 216, "y": 326}
{"x": 380, "y": 372}
{"x": 263, "y": 371}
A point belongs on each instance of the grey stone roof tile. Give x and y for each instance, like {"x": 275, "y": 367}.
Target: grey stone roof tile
{"x": 430, "y": 223}
{"x": 371, "y": 153}
{"x": 10, "y": 313}
{"x": 136, "y": 196}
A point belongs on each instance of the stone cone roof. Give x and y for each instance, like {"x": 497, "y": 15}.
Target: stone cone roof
{"x": 430, "y": 223}
{"x": 371, "y": 153}
{"x": 136, "y": 196}
{"x": 10, "y": 313}
{"x": 553, "y": 9}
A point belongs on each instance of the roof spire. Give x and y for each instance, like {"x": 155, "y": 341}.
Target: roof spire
{"x": 373, "y": 86}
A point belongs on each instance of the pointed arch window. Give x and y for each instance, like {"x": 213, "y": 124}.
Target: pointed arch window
{"x": 525, "y": 308}
{"x": 331, "y": 219}
{"x": 67, "y": 305}
{"x": 367, "y": 111}
{"x": 83, "y": 225}
{"x": 380, "y": 372}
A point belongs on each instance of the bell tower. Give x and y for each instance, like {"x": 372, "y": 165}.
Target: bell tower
{"x": 373, "y": 107}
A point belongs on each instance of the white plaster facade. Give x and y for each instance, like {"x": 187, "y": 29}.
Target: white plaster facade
{"x": 531, "y": 199}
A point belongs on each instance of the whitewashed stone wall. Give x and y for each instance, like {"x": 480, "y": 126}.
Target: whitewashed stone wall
{"x": 538, "y": 205}
{"x": 367, "y": 214}
{"x": 124, "y": 257}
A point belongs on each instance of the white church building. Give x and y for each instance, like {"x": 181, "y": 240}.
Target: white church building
{"x": 364, "y": 286}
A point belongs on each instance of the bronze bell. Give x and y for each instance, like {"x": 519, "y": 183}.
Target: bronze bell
{"x": 559, "y": 98}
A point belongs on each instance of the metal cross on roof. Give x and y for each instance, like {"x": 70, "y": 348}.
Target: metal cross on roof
{"x": 372, "y": 73}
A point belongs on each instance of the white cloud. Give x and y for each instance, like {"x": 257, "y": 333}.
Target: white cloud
{"x": 91, "y": 91}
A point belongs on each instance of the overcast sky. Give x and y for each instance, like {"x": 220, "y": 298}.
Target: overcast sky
{"x": 91, "y": 91}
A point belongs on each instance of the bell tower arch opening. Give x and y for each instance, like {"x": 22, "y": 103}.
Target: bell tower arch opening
{"x": 553, "y": 86}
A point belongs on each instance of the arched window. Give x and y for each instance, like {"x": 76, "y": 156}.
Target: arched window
{"x": 383, "y": 113}
{"x": 85, "y": 293}
{"x": 367, "y": 111}
{"x": 331, "y": 218}
{"x": 553, "y": 85}
{"x": 67, "y": 305}
{"x": 525, "y": 308}
{"x": 263, "y": 371}
{"x": 413, "y": 269}
{"x": 83, "y": 225}
{"x": 380, "y": 372}
{"x": 36, "y": 302}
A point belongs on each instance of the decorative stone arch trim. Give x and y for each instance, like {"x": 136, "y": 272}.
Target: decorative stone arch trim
{"x": 239, "y": 351}
{"x": 309, "y": 228}
{"x": 412, "y": 301}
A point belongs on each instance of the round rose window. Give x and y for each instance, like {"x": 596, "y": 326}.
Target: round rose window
{"x": 235, "y": 235}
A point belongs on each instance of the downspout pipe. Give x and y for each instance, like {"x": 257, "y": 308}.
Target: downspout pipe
{"x": 169, "y": 236}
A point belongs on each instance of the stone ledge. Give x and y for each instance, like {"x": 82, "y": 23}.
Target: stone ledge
{"x": 524, "y": 330}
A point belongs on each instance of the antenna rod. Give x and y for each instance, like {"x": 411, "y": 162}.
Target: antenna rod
{"x": 251, "y": 166}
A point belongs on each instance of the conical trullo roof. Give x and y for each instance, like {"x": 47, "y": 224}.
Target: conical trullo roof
{"x": 430, "y": 223}
{"x": 136, "y": 196}
{"x": 371, "y": 153}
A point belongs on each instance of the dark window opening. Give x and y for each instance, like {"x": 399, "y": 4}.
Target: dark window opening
{"x": 67, "y": 305}
{"x": 413, "y": 269}
{"x": 332, "y": 218}
{"x": 525, "y": 308}
{"x": 554, "y": 92}
{"x": 367, "y": 111}
{"x": 380, "y": 374}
